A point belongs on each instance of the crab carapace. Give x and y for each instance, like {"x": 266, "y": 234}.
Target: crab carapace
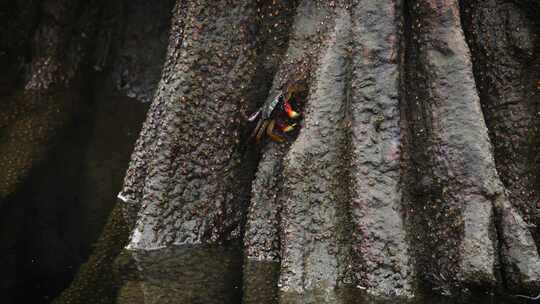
{"x": 271, "y": 115}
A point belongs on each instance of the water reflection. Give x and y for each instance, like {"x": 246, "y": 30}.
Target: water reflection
{"x": 260, "y": 282}
{"x": 213, "y": 274}
{"x": 195, "y": 274}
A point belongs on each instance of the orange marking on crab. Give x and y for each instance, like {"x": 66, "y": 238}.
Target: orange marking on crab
{"x": 290, "y": 112}
{"x": 285, "y": 127}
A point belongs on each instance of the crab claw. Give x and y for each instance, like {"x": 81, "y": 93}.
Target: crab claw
{"x": 254, "y": 116}
{"x": 285, "y": 127}
{"x": 288, "y": 128}
{"x": 290, "y": 112}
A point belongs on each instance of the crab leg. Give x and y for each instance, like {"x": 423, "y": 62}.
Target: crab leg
{"x": 260, "y": 131}
{"x": 253, "y": 116}
{"x": 270, "y": 130}
{"x": 256, "y": 129}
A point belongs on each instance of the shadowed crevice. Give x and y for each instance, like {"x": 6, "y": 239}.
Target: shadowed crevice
{"x": 502, "y": 39}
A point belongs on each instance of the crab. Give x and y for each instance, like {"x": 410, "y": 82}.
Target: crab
{"x": 271, "y": 115}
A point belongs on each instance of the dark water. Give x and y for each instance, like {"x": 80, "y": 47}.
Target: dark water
{"x": 48, "y": 226}
{"x": 195, "y": 274}
{"x": 210, "y": 274}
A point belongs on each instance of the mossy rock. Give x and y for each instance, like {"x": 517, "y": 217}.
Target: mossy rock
{"x": 28, "y": 125}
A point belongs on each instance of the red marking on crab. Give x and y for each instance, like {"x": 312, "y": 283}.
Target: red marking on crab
{"x": 288, "y": 109}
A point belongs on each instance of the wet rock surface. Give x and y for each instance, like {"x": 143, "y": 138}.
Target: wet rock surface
{"x": 503, "y": 37}
{"x": 463, "y": 180}
{"x": 313, "y": 214}
{"x": 380, "y": 244}
{"x": 140, "y": 47}
{"x": 413, "y": 168}
{"x": 389, "y": 185}
{"x": 205, "y": 202}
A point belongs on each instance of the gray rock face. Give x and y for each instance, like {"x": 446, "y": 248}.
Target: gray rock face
{"x": 506, "y": 76}
{"x": 389, "y": 184}
{"x": 466, "y": 192}
{"x": 380, "y": 241}
{"x": 313, "y": 215}
{"x": 185, "y": 179}
{"x": 313, "y": 211}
